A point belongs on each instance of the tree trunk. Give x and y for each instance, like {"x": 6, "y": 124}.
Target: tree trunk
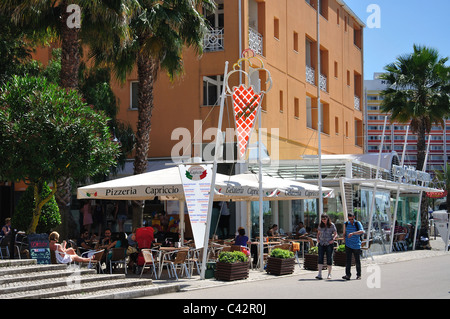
{"x": 421, "y": 153}
{"x": 147, "y": 72}
{"x": 70, "y": 64}
{"x": 70, "y": 51}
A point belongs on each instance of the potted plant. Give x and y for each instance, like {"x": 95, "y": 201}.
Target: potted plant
{"x": 340, "y": 257}
{"x": 280, "y": 262}
{"x": 232, "y": 265}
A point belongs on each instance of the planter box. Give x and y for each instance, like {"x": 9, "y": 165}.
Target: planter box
{"x": 311, "y": 261}
{"x": 280, "y": 266}
{"x": 340, "y": 258}
{"x": 229, "y": 272}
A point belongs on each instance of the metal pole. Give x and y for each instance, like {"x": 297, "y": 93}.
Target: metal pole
{"x": 213, "y": 178}
{"x": 398, "y": 192}
{"x": 372, "y": 206}
{"x": 424, "y": 169}
{"x": 319, "y": 115}
{"x": 261, "y": 220}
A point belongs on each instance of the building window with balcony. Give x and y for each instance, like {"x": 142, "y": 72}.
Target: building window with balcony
{"x": 214, "y": 38}
{"x": 311, "y": 58}
{"x": 212, "y": 88}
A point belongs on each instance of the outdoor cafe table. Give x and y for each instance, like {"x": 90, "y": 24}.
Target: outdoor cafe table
{"x": 164, "y": 252}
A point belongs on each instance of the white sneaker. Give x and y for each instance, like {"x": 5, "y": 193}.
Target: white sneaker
{"x": 329, "y": 276}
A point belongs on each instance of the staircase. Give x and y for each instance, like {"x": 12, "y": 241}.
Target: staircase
{"x": 25, "y": 279}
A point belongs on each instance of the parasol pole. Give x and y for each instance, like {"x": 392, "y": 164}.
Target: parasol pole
{"x": 213, "y": 180}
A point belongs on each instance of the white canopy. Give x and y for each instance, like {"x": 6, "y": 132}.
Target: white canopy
{"x": 246, "y": 187}
{"x": 167, "y": 185}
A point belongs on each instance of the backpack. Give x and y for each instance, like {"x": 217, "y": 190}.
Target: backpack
{"x": 358, "y": 229}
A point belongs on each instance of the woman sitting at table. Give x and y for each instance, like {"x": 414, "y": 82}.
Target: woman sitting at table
{"x": 241, "y": 239}
{"x": 273, "y": 230}
{"x": 64, "y": 255}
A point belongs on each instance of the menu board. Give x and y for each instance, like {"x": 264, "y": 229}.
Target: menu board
{"x": 39, "y": 248}
{"x": 196, "y": 181}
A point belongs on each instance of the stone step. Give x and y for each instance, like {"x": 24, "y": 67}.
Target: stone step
{"x": 25, "y": 279}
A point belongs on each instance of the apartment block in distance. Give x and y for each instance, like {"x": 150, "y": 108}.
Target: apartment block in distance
{"x": 395, "y": 132}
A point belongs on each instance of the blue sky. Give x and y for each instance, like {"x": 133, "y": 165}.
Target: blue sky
{"x": 402, "y": 24}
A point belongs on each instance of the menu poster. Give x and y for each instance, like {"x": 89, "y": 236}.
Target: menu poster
{"x": 196, "y": 181}
{"x": 39, "y": 248}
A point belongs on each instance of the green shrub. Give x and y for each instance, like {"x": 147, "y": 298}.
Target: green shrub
{"x": 281, "y": 253}
{"x": 341, "y": 248}
{"x": 49, "y": 219}
{"x": 313, "y": 250}
{"x": 232, "y": 257}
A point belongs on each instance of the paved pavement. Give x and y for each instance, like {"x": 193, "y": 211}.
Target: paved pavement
{"x": 187, "y": 284}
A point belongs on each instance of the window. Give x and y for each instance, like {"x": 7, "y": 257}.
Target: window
{"x": 357, "y": 35}
{"x": 336, "y": 125}
{"x": 296, "y": 41}
{"x": 281, "y": 101}
{"x": 296, "y": 108}
{"x": 337, "y": 17}
{"x": 348, "y": 77}
{"x": 336, "y": 72}
{"x": 323, "y": 8}
{"x": 212, "y": 88}
{"x": 346, "y": 129}
{"x": 134, "y": 95}
{"x": 276, "y": 28}
{"x": 309, "y": 112}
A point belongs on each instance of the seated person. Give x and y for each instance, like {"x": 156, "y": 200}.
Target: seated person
{"x": 66, "y": 255}
{"x": 6, "y": 228}
{"x": 273, "y": 230}
{"x": 83, "y": 241}
{"x": 300, "y": 229}
{"x": 106, "y": 242}
{"x": 241, "y": 239}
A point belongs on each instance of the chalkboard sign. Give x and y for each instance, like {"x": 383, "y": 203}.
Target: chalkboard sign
{"x": 39, "y": 248}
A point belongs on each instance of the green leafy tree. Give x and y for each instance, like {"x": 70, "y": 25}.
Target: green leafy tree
{"x": 159, "y": 30}
{"x": 47, "y": 133}
{"x": 50, "y": 217}
{"x": 419, "y": 94}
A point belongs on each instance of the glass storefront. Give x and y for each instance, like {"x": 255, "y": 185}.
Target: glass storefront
{"x": 381, "y": 220}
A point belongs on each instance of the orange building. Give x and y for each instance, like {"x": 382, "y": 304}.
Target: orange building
{"x": 283, "y": 34}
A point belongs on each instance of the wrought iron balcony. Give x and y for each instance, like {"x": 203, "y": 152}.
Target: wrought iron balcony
{"x": 310, "y": 75}
{"x": 357, "y": 103}
{"x": 323, "y": 82}
{"x": 213, "y": 40}
{"x": 255, "y": 41}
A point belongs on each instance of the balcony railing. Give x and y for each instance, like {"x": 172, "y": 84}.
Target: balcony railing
{"x": 357, "y": 103}
{"x": 310, "y": 75}
{"x": 213, "y": 40}
{"x": 255, "y": 41}
{"x": 323, "y": 83}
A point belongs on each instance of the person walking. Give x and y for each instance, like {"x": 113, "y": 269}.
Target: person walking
{"x": 326, "y": 235}
{"x": 352, "y": 236}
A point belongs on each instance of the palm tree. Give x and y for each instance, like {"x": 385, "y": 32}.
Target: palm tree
{"x": 160, "y": 31}
{"x": 419, "y": 93}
